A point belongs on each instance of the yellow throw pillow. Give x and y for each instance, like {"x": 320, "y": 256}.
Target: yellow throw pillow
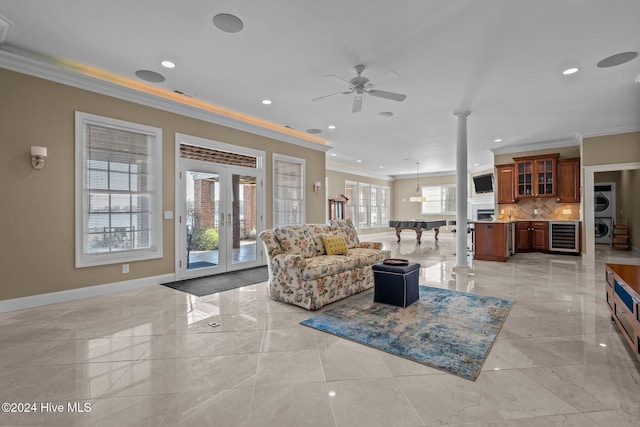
{"x": 335, "y": 245}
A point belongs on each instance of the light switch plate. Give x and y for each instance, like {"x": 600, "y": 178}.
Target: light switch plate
{"x": 168, "y": 214}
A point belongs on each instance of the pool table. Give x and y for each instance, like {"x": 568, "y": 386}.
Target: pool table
{"x": 418, "y": 226}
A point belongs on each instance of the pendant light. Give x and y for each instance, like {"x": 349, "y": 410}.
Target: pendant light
{"x": 418, "y": 197}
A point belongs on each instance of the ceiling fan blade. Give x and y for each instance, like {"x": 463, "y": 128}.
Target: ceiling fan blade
{"x": 332, "y": 94}
{"x": 387, "y": 95}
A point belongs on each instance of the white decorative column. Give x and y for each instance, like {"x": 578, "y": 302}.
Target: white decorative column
{"x": 461, "y": 190}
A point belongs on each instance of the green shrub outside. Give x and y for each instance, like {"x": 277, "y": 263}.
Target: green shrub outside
{"x": 205, "y": 239}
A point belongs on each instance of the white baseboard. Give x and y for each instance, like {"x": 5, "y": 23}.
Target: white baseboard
{"x": 89, "y": 291}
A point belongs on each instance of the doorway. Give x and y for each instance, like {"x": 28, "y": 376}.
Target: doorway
{"x": 220, "y": 199}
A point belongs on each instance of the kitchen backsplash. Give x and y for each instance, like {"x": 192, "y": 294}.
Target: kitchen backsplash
{"x": 546, "y": 208}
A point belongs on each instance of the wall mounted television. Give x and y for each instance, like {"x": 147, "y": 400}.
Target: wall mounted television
{"x": 483, "y": 183}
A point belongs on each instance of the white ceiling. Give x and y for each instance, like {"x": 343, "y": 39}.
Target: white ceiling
{"x": 500, "y": 59}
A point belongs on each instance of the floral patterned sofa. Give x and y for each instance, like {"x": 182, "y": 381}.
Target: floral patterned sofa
{"x": 301, "y": 272}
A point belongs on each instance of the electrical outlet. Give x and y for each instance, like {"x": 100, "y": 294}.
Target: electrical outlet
{"x": 535, "y": 211}
{"x": 501, "y": 211}
{"x": 125, "y": 268}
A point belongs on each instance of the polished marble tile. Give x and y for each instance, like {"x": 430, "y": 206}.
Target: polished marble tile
{"x": 291, "y": 405}
{"x": 148, "y": 356}
{"x": 290, "y": 367}
{"x": 371, "y": 402}
{"x": 494, "y": 396}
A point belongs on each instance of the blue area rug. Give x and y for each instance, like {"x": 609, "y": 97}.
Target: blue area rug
{"x": 444, "y": 329}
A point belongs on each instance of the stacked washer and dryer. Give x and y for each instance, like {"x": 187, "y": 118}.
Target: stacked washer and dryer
{"x": 605, "y": 210}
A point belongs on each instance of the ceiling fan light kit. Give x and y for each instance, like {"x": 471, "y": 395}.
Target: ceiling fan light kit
{"x": 360, "y": 85}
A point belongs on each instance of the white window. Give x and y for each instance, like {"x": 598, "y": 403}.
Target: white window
{"x": 350, "y": 206}
{"x": 363, "y": 205}
{"x": 118, "y": 191}
{"x": 440, "y": 200}
{"x": 368, "y": 204}
{"x": 379, "y": 207}
{"x": 288, "y": 190}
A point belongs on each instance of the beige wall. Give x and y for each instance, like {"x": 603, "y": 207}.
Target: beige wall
{"x": 37, "y": 250}
{"x": 404, "y": 188}
{"x": 629, "y": 206}
{"x": 613, "y": 150}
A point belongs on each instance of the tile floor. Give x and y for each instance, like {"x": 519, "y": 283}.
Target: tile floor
{"x": 148, "y": 357}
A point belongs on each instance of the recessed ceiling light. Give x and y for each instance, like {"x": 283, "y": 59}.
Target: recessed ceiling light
{"x": 571, "y": 70}
{"x": 266, "y": 101}
{"x": 359, "y": 161}
{"x": 476, "y": 164}
{"x": 150, "y": 76}
{"x": 313, "y": 131}
{"x": 333, "y": 154}
{"x": 381, "y": 167}
{"x": 228, "y": 23}
{"x": 385, "y": 114}
{"x": 168, "y": 64}
{"x": 331, "y": 126}
{"x": 497, "y": 140}
{"x": 617, "y": 59}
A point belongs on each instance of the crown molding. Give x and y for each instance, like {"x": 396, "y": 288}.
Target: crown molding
{"x": 534, "y": 146}
{"x": 425, "y": 174}
{"x": 610, "y": 131}
{"x": 36, "y": 67}
{"x": 339, "y": 167}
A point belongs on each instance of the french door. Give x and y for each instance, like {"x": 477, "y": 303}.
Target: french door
{"x": 219, "y": 219}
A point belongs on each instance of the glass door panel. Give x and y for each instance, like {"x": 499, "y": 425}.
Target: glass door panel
{"x": 202, "y": 221}
{"x": 243, "y": 218}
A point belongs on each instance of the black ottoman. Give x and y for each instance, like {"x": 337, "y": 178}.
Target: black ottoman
{"x": 396, "y": 284}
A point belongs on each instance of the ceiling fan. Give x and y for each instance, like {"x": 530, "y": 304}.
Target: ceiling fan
{"x": 361, "y": 85}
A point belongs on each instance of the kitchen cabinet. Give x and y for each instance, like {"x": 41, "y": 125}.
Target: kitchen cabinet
{"x": 535, "y": 176}
{"x": 568, "y": 182}
{"x": 506, "y": 183}
{"x": 493, "y": 241}
{"x": 532, "y": 236}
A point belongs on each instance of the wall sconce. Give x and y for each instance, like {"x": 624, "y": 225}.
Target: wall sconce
{"x": 316, "y": 186}
{"x": 38, "y": 154}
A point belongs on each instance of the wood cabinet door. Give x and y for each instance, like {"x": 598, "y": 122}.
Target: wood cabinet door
{"x": 540, "y": 236}
{"x": 490, "y": 241}
{"x": 524, "y": 175}
{"x": 568, "y": 181}
{"x": 506, "y": 183}
{"x": 545, "y": 177}
{"x": 523, "y": 236}
{"x": 535, "y": 176}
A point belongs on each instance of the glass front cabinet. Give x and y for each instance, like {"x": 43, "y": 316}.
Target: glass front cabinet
{"x": 535, "y": 176}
